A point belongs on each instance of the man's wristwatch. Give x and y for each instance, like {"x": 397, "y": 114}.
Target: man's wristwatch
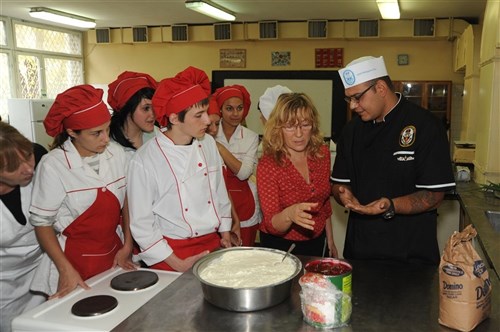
{"x": 389, "y": 214}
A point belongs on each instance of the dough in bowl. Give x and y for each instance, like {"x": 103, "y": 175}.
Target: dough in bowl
{"x": 248, "y": 269}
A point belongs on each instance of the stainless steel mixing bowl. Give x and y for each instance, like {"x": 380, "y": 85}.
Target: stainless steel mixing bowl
{"x": 245, "y": 299}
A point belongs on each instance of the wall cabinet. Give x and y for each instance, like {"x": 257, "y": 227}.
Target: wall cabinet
{"x": 432, "y": 95}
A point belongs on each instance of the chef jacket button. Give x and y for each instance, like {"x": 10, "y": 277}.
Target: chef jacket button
{"x": 200, "y": 164}
{"x": 209, "y": 202}
{"x": 199, "y": 145}
{"x": 196, "y": 233}
{"x": 185, "y": 209}
{"x": 205, "y": 174}
{"x": 103, "y": 189}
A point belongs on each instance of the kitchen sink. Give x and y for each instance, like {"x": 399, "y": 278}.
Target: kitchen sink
{"x": 494, "y": 219}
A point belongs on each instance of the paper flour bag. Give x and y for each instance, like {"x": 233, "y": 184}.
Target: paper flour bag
{"x": 464, "y": 283}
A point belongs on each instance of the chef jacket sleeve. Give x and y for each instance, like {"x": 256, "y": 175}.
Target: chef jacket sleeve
{"x": 226, "y": 220}
{"x": 340, "y": 171}
{"x": 249, "y": 159}
{"x": 141, "y": 190}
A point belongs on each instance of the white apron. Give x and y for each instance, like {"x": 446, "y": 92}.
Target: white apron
{"x": 20, "y": 254}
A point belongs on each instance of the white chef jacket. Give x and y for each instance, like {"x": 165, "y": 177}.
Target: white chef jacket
{"x": 20, "y": 254}
{"x": 177, "y": 191}
{"x": 243, "y": 145}
{"x": 64, "y": 188}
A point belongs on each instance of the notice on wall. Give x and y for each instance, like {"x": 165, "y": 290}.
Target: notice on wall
{"x": 233, "y": 58}
{"x": 329, "y": 57}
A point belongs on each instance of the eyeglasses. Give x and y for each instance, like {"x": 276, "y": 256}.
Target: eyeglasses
{"x": 357, "y": 97}
{"x": 305, "y": 126}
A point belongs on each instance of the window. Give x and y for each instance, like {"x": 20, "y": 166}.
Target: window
{"x": 29, "y": 37}
{"x": 5, "y": 86}
{"x": 43, "y": 62}
{"x": 3, "y": 34}
{"x": 62, "y": 74}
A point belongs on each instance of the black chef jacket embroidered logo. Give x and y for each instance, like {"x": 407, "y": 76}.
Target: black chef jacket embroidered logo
{"x": 408, "y": 136}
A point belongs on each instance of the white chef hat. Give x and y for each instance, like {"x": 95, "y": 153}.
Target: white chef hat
{"x": 268, "y": 100}
{"x": 362, "y": 70}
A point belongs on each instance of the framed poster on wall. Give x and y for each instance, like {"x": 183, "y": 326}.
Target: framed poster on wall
{"x": 233, "y": 58}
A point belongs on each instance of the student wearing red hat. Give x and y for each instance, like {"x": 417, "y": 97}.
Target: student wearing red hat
{"x": 78, "y": 193}
{"x": 238, "y": 148}
{"x": 213, "y": 128}
{"x": 133, "y": 120}
{"x": 178, "y": 202}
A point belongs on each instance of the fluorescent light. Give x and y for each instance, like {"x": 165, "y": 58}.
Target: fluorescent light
{"x": 211, "y": 10}
{"x": 62, "y": 17}
{"x": 389, "y": 9}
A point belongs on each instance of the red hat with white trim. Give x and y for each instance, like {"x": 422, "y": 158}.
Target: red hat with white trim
{"x": 239, "y": 91}
{"x": 125, "y": 86}
{"x": 176, "y": 94}
{"x": 79, "y": 107}
{"x": 213, "y": 107}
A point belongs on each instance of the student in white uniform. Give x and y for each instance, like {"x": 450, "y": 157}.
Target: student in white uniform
{"x": 20, "y": 252}
{"x": 178, "y": 201}
{"x": 78, "y": 194}
{"x": 213, "y": 128}
{"x": 238, "y": 148}
{"x": 133, "y": 120}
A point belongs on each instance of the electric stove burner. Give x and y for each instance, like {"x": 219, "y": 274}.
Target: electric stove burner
{"x": 135, "y": 280}
{"x": 94, "y": 306}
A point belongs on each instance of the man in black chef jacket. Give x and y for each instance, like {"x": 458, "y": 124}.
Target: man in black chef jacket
{"x": 391, "y": 171}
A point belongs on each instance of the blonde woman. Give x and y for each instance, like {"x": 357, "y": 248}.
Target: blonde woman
{"x": 293, "y": 180}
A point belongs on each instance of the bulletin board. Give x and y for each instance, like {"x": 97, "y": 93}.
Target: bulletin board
{"x": 324, "y": 87}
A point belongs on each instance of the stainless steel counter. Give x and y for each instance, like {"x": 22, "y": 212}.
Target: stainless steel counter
{"x": 474, "y": 203}
{"x": 386, "y": 297}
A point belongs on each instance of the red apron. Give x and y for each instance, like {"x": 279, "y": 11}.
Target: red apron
{"x": 92, "y": 241}
{"x": 248, "y": 235}
{"x": 184, "y": 248}
{"x": 241, "y": 194}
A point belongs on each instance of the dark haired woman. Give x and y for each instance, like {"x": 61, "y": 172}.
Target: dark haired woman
{"x": 78, "y": 194}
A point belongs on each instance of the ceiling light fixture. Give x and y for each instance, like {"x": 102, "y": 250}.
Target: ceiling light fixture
{"x": 56, "y": 16}
{"x": 210, "y": 9}
{"x": 389, "y": 9}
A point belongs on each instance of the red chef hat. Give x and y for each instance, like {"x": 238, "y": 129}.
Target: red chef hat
{"x": 125, "y": 86}
{"x": 79, "y": 107}
{"x": 175, "y": 94}
{"x": 226, "y": 92}
{"x": 213, "y": 107}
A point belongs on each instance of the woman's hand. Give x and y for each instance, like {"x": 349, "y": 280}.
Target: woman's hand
{"x": 225, "y": 240}
{"x": 123, "y": 259}
{"x": 300, "y": 214}
{"x": 69, "y": 279}
{"x": 332, "y": 249}
{"x": 235, "y": 237}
